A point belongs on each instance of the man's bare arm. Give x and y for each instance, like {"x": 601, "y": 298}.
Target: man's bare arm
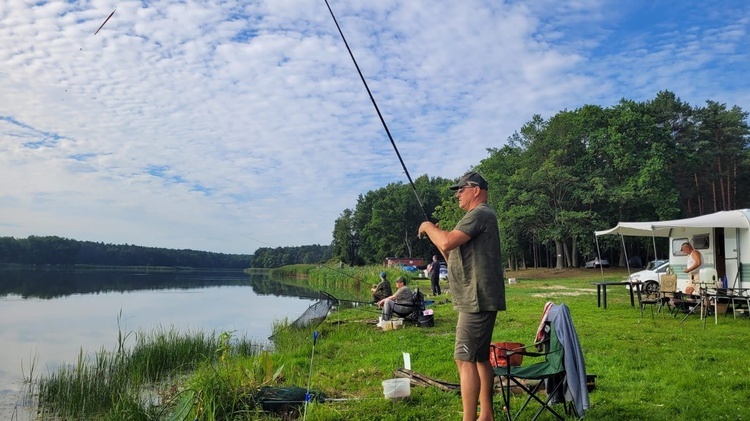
{"x": 445, "y": 241}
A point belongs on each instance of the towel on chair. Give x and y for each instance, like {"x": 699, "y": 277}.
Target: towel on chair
{"x": 540, "y": 331}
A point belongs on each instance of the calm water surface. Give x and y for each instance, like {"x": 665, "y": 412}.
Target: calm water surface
{"x": 47, "y": 317}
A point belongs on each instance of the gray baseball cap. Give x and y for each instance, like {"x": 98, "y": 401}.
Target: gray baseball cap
{"x": 471, "y": 179}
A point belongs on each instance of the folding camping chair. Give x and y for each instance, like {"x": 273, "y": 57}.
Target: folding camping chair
{"x": 562, "y": 373}
{"x": 411, "y": 311}
{"x": 667, "y": 296}
{"x": 667, "y": 291}
{"x": 644, "y": 301}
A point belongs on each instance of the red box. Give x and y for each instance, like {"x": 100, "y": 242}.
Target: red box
{"x": 498, "y": 354}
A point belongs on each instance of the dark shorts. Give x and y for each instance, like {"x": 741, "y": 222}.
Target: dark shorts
{"x": 473, "y": 336}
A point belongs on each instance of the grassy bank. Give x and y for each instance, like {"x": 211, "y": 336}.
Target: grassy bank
{"x": 348, "y": 283}
{"x": 656, "y": 369}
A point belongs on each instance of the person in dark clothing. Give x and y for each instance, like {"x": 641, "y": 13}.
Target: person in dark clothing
{"x": 435, "y": 275}
{"x": 381, "y": 290}
{"x": 400, "y": 302}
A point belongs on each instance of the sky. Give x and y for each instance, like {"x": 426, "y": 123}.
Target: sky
{"x": 226, "y": 126}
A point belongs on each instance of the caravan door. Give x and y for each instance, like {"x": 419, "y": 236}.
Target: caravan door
{"x": 731, "y": 257}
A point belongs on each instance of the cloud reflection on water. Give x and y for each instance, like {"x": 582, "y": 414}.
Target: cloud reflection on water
{"x": 53, "y": 331}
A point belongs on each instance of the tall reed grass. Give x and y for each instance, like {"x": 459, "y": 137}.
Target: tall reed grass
{"x": 131, "y": 383}
{"x": 352, "y": 283}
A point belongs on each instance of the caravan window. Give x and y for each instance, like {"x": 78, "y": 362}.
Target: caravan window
{"x": 700, "y": 241}
{"x": 677, "y": 246}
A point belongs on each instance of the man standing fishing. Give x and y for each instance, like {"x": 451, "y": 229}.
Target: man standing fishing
{"x": 472, "y": 250}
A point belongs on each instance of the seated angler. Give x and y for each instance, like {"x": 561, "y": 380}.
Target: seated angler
{"x": 381, "y": 290}
{"x": 400, "y": 302}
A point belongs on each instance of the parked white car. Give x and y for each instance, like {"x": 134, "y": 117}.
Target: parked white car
{"x": 596, "y": 263}
{"x": 651, "y": 276}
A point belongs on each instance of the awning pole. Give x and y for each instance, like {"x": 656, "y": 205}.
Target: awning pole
{"x": 599, "y": 254}
{"x": 625, "y": 250}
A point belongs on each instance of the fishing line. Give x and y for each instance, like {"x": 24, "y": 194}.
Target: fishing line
{"x": 382, "y": 120}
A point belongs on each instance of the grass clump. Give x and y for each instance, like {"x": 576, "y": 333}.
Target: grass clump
{"x": 137, "y": 383}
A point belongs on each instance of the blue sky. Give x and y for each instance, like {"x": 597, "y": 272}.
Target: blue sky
{"x": 226, "y": 127}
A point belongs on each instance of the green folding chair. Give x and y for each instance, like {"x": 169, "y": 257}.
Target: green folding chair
{"x": 551, "y": 372}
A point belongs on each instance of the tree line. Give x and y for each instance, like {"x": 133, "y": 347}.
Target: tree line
{"x": 267, "y": 257}
{"x": 557, "y": 180}
{"x": 52, "y": 250}
{"x": 56, "y": 281}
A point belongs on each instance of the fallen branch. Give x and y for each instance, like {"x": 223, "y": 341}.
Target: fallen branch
{"x": 422, "y": 380}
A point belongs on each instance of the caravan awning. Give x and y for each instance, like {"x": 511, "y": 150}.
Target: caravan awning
{"x": 724, "y": 219}
{"x": 636, "y": 229}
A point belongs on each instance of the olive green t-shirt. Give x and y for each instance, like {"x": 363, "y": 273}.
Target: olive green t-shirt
{"x": 403, "y": 296}
{"x": 475, "y": 269}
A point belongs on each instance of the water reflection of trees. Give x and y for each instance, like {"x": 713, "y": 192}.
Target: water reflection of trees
{"x": 348, "y": 296}
{"x": 59, "y": 283}
{"x": 263, "y": 285}
{"x": 55, "y": 283}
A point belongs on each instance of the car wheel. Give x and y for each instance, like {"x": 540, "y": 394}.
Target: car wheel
{"x": 651, "y": 288}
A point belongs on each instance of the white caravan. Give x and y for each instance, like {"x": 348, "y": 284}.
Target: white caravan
{"x": 723, "y": 238}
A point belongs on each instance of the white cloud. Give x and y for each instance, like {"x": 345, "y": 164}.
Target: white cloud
{"x": 197, "y": 124}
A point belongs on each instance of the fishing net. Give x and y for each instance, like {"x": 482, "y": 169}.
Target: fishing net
{"x": 316, "y": 313}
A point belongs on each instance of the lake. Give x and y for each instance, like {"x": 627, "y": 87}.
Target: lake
{"x": 48, "y": 316}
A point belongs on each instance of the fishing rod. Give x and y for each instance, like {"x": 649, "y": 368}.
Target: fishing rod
{"x": 382, "y": 120}
{"x": 308, "y": 396}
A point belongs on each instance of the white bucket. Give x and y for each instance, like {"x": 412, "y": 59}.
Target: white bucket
{"x": 397, "y": 388}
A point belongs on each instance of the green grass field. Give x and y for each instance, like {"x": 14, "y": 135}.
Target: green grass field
{"x": 655, "y": 369}
{"x": 647, "y": 369}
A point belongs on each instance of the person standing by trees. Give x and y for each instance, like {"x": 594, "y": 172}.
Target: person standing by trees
{"x": 472, "y": 250}
{"x": 434, "y": 271}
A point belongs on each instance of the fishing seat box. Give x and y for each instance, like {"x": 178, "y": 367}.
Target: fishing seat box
{"x": 426, "y": 320}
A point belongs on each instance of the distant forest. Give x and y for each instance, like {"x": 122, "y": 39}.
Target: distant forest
{"x": 53, "y": 250}
{"x": 266, "y": 257}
